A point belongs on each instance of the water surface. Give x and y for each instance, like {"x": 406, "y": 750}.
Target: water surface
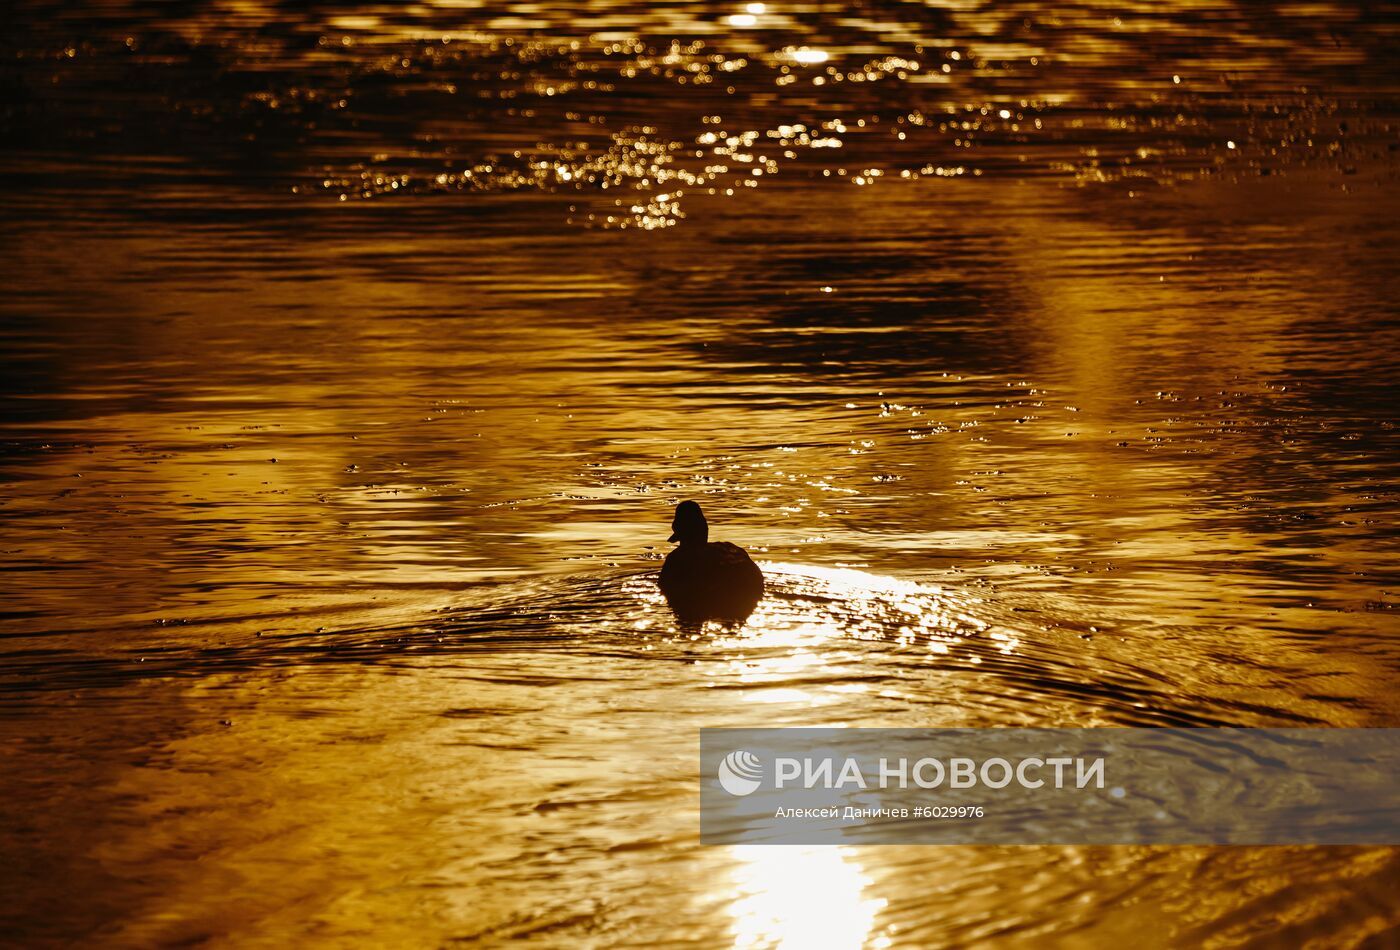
{"x": 356, "y": 355}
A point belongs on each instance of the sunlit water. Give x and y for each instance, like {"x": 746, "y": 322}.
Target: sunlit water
{"x": 354, "y": 357}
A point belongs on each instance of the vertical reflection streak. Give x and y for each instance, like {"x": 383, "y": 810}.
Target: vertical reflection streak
{"x": 803, "y": 897}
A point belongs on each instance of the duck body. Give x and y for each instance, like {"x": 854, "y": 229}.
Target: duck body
{"x": 715, "y": 580}
{"x": 705, "y": 579}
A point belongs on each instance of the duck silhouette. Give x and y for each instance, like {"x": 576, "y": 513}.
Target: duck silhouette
{"x": 704, "y": 579}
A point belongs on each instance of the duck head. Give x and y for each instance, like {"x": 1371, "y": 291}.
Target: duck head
{"x": 689, "y": 525}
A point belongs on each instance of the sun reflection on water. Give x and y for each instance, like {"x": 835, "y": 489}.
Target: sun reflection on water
{"x": 810, "y": 608}
{"x": 803, "y": 897}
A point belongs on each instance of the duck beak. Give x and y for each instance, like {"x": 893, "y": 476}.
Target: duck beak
{"x": 672, "y": 538}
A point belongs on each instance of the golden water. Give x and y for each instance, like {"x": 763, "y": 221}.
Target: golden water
{"x": 1045, "y": 356}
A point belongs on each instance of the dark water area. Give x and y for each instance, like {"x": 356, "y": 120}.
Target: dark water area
{"x": 355, "y": 356}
